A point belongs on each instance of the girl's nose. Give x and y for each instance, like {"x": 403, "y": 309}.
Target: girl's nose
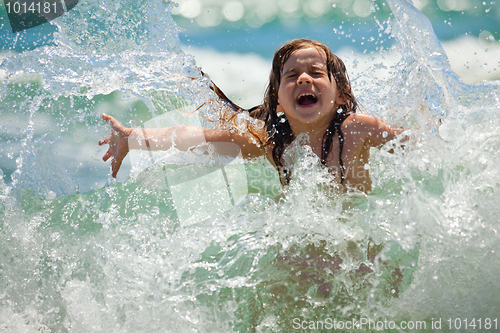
{"x": 304, "y": 78}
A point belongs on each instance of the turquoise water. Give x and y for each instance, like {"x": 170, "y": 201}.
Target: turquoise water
{"x": 193, "y": 242}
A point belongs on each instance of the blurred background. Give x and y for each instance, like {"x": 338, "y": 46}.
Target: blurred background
{"x": 235, "y": 40}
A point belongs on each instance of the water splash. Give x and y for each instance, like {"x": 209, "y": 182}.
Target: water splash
{"x": 118, "y": 258}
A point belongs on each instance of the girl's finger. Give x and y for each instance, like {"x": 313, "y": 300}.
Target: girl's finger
{"x": 104, "y": 141}
{"x": 107, "y": 155}
{"x": 115, "y": 166}
{"x": 115, "y": 124}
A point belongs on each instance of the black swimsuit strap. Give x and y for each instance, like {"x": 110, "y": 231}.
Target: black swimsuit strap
{"x": 327, "y": 142}
{"x": 341, "y": 146}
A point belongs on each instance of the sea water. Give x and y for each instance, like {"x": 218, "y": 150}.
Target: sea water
{"x": 195, "y": 242}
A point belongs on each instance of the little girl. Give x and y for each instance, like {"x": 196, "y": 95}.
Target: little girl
{"x": 308, "y": 93}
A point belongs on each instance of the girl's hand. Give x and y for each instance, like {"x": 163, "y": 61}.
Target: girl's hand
{"x": 118, "y": 143}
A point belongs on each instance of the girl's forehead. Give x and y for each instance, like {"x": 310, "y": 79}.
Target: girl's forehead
{"x": 307, "y": 56}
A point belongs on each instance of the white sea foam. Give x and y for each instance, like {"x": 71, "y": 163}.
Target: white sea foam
{"x": 474, "y": 60}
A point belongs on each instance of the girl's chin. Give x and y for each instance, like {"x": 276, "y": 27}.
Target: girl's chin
{"x": 310, "y": 119}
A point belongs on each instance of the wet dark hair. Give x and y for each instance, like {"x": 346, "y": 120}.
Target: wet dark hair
{"x": 278, "y": 129}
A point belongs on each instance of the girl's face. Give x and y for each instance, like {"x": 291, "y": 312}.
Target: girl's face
{"x": 306, "y": 95}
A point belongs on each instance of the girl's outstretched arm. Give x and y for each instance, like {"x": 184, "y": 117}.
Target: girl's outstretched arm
{"x": 122, "y": 139}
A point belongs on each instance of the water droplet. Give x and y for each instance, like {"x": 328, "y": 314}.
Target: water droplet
{"x": 384, "y": 134}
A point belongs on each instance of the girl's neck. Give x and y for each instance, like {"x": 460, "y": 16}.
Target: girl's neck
{"x": 315, "y": 132}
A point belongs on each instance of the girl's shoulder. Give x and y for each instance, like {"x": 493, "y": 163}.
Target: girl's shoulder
{"x": 360, "y": 121}
{"x": 372, "y": 130}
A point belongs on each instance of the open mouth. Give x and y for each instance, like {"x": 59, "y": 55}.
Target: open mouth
{"x": 307, "y": 99}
